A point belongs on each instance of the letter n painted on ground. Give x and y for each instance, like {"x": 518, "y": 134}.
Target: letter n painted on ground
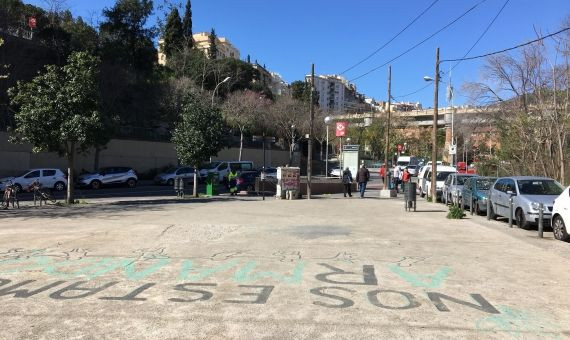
{"x": 484, "y": 305}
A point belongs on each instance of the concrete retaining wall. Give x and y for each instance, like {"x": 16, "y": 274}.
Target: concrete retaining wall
{"x": 142, "y": 156}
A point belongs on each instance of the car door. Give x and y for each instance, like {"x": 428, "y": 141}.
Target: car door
{"x": 30, "y": 177}
{"x": 466, "y": 192}
{"x": 48, "y": 178}
{"x": 497, "y": 197}
{"x": 223, "y": 171}
{"x": 109, "y": 176}
{"x": 510, "y": 187}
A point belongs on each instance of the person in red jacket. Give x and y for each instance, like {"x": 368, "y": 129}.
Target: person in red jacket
{"x": 382, "y": 172}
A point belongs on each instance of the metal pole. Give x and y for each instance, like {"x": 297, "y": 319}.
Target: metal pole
{"x": 489, "y": 208}
{"x": 387, "y": 147}
{"x": 540, "y": 221}
{"x": 310, "y": 144}
{"x": 471, "y": 204}
{"x": 327, "y": 155}
{"x": 510, "y": 212}
{"x": 263, "y": 174}
{"x": 434, "y": 132}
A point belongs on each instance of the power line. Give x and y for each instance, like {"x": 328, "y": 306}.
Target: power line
{"x": 392, "y": 39}
{"x": 507, "y": 49}
{"x": 416, "y": 91}
{"x": 482, "y": 34}
{"x": 421, "y": 42}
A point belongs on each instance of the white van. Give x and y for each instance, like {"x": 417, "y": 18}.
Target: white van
{"x": 442, "y": 173}
{"x": 223, "y": 168}
{"x": 405, "y": 161}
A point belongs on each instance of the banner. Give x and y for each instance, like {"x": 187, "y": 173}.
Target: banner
{"x": 341, "y": 129}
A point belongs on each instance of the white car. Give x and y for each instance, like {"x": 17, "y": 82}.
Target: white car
{"x": 48, "y": 178}
{"x": 168, "y": 177}
{"x": 222, "y": 168}
{"x": 442, "y": 173}
{"x": 561, "y": 216}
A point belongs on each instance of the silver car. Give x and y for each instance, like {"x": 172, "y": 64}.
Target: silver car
{"x": 453, "y": 187}
{"x": 527, "y": 193}
{"x": 168, "y": 177}
{"x": 109, "y": 176}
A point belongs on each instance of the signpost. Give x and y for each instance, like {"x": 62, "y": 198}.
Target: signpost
{"x": 341, "y": 129}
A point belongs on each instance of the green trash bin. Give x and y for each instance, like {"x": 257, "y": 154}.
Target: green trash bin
{"x": 211, "y": 184}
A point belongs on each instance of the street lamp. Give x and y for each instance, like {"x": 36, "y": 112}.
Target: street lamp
{"x": 216, "y": 88}
{"x": 328, "y": 120}
{"x": 292, "y": 144}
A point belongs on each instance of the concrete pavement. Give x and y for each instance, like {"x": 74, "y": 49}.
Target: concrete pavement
{"x": 244, "y": 268}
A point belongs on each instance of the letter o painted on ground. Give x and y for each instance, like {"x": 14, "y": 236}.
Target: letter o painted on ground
{"x": 373, "y": 298}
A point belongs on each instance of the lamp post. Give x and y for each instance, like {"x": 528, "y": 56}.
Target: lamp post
{"x": 216, "y": 88}
{"x": 434, "y": 131}
{"x": 328, "y": 120}
{"x": 292, "y": 145}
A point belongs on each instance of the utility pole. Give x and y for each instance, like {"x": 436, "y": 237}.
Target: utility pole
{"x": 387, "y": 147}
{"x": 434, "y": 132}
{"x": 310, "y": 144}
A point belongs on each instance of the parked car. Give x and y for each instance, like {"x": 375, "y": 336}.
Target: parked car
{"x": 453, "y": 187}
{"x": 561, "y": 216}
{"x": 246, "y": 180}
{"x": 49, "y": 178}
{"x": 443, "y": 172}
{"x": 168, "y": 177}
{"x": 222, "y": 168}
{"x": 335, "y": 172}
{"x": 478, "y": 189}
{"x": 422, "y": 172}
{"x": 527, "y": 193}
{"x": 109, "y": 176}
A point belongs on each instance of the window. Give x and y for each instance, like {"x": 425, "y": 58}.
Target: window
{"x": 462, "y": 179}
{"x": 223, "y": 166}
{"x": 48, "y": 173}
{"x": 33, "y": 174}
{"x": 510, "y": 186}
{"x": 467, "y": 184}
{"x": 499, "y": 185}
{"x": 484, "y": 183}
{"x": 539, "y": 187}
{"x": 246, "y": 166}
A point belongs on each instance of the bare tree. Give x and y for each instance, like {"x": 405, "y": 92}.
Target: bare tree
{"x": 288, "y": 117}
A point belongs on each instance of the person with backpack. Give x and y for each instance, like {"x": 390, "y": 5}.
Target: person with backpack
{"x": 347, "y": 182}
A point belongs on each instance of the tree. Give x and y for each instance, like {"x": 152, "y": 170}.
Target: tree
{"x": 187, "y": 25}
{"x": 244, "y": 110}
{"x": 213, "y": 49}
{"x": 198, "y": 134}
{"x": 59, "y": 110}
{"x": 288, "y": 117}
{"x": 173, "y": 34}
{"x": 126, "y": 39}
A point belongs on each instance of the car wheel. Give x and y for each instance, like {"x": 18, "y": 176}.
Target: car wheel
{"x": 131, "y": 183}
{"x": 492, "y": 214}
{"x": 559, "y": 229}
{"x": 521, "y": 220}
{"x": 59, "y": 186}
{"x": 95, "y": 185}
{"x": 170, "y": 182}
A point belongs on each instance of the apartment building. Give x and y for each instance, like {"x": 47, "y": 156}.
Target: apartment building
{"x": 225, "y": 48}
{"x": 338, "y": 96}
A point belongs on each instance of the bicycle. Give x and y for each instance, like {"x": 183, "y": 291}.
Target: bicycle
{"x": 41, "y": 194}
{"x": 10, "y": 196}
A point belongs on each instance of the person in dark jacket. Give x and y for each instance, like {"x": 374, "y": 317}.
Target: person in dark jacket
{"x": 362, "y": 177}
{"x": 347, "y": 182}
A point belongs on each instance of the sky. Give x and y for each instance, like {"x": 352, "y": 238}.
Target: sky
{"x": 287, "y": 36}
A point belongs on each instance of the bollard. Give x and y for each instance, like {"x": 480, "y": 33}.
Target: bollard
{"x": 540, "y": 221}
{"x": 489, "y": 208}
{"x": 461, "y": 202}
{"x": 511, "y": 212}
{"x": 471, "y": 208}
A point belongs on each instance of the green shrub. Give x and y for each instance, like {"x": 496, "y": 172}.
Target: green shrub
{"x": 455, "y": 213}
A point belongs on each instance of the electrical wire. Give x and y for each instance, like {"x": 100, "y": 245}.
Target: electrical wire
{"x": 420, "y": 43}
{"x": 416, "y": 91}
{"x": 482, "y": 34}
{"x": 506, "y": 49}
{"x": 392, "y": 39}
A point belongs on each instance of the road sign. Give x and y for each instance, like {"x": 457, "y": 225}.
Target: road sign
{"x": 341, "y": 129}
{"x": 32, "y": 22}
{"x": 452, "y": 149}
{"x": 350, "y": 147}
{"x": 400, "y": 147}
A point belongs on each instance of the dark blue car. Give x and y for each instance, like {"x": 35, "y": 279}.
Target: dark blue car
{"x": 477, "y": 188}
{"x": 246, "y": 180}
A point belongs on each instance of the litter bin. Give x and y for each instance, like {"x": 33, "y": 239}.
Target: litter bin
{"x": 410, "y": 195}
{"x": 211, "y": 184}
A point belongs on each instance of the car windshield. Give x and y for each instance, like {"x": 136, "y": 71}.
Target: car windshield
{"x": 24, "y": 173}
{"x": 485, "y": 183}
{"x": 404, "y": 163}
{"x": 442, "y": 176}
{"x": 539, "y": 187}
{"x": 461, "y": 179}
{"x": 102, "y": 171}
{"x": 211, "y": 166}
{"x": 170, "y": 170}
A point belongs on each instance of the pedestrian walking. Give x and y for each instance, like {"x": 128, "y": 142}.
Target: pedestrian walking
{"x": 232, "y": 182}
{"x": 405, "y": 178}
{"x": 362, "y": 177}
{"x": 383, "y": 172}
{"x": 347, "y": 182}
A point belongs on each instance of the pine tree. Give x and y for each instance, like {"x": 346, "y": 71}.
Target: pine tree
{"x": 173, "y": 35}
{"x": 248, "y": 59}
{"x": 213, "y": 50}
{"x": 187, "y": 25}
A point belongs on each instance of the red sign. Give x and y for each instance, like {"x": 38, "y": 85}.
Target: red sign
{"x": 341, "y": 129}
{"x": 400, "y": 147}
{"x": 32, "y": 22}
